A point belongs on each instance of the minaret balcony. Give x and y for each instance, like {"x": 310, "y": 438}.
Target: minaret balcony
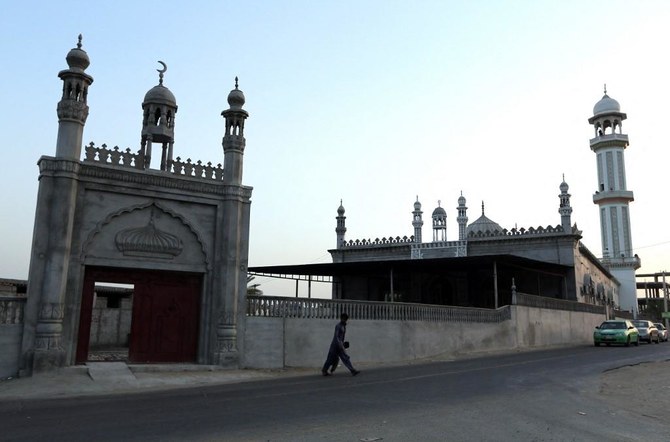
{"x": 623, "y": 262}
{"x": 613, "y": 196}
{"x": 609, "y": 140}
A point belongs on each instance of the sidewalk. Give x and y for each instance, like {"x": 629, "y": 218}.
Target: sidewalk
{"x": 99, "y": 378}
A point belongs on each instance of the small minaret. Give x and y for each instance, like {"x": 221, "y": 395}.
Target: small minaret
{"x": 340, "y": 230}
{"x": 612, "y": 198}
{"x": 72, "y": 108}
{"x": 159, "y": 109}
{"x": 564, "y": 207}
{"x": 462, "y": 218}
{"x": 417, "y": 221}
{"x": 233, "y": 140}
{"x": 439, "y": 224}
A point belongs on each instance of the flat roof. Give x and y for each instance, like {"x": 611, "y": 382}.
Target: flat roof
{"x": 368, "y": 267}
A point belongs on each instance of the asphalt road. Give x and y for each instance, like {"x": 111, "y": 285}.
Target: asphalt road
{"x": 550, "y": 395}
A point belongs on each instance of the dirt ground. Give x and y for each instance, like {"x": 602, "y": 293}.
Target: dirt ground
{"x": 642, "y": 389}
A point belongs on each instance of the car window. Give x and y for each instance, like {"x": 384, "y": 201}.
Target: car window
{"x": 612, "y": 325}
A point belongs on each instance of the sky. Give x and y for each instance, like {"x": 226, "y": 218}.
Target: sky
{"x": 374, "y": 103}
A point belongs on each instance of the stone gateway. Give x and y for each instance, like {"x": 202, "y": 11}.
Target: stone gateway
{"x": 177, "y": 232}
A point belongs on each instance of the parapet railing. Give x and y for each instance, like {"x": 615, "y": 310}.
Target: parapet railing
{"x": 556, "y": 304}
{"x": 518, "y": 232}
{"x": 378, "y": 242}
{"x": 126, "y": 158}
{"x": 311, "y": 308}
{"x": 11, "y": 309}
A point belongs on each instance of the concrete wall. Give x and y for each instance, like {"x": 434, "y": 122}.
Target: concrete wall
{"x": 297, "y": 342}
{"x": 110, "y": 327}
{"x": 536, "y": 327}
{"x": 10, "y": 348}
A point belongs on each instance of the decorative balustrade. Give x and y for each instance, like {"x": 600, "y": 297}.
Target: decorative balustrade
{"x": 197, "y": 169}
{"x": 310, "y": 308}
{"x": 518, "y": 232}
{"x": 11, "y": 309}
{"x": 113, "y": 157}
{"x": 557, "y": 304}
{"x": 378, "y": 242}
{"x": 125, "y": 158}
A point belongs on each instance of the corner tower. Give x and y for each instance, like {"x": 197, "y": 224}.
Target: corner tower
{"x": 462, "y": 218}
{"x": 417, "y": 221}
{"x": 612, "y": 197}
{"x": 72, "y": 108}
{"x": 341, "y": 229}
{"x": 233, "y": 140}
{"x": 564, "y": 207}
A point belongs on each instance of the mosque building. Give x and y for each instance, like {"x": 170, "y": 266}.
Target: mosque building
{"x": 487, "y": 263}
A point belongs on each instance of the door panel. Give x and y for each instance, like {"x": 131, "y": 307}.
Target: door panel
{"x": 165, "y": 321}
{"x": 165, "y": 318}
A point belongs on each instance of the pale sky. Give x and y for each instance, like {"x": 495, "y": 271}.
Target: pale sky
{"x": 371, "y": 102}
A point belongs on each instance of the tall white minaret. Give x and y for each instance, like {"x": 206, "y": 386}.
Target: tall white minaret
{"x": 612, "y": 198}
{"x": 417, "y": 221}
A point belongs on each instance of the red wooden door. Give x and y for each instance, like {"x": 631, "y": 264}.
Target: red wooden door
{"x": 165, "y": 320}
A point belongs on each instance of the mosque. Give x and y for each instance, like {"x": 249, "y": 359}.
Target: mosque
{"x": 487, "y": 263}
{"x": 178, "y": 233}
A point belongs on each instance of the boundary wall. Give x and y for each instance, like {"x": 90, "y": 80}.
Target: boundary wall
{"x": 276, "y": 340}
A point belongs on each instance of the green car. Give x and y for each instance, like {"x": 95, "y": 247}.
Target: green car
{"x": 619, "y": 331}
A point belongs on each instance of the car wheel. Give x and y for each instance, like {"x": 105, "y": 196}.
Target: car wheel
{"x": 597, "y": 344}
{"x": 627, "y": 344}
{"x": 637, "y": 342}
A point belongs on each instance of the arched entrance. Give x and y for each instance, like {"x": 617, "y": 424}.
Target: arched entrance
{"x": 165, "y": 313}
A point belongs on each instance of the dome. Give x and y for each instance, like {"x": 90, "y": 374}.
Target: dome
{"x": 606, "y": 105}
{"x": 77, "y": 58}
{"x": 564, "y": 187}
{"x": 417, "y": 204}
{"x": 439, "y": 211}
{"x": 236, "y": 97}
{"x": 461, "y": 200}
{"x": 160, "y": 95}
{"x": 483, "y": 224}
{"x": 340, "y": 210}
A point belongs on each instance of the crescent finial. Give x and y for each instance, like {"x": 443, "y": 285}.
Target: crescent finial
{"x": 161, "y": 72}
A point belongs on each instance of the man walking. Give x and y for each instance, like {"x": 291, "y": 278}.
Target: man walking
{"x": 337, "y": 349}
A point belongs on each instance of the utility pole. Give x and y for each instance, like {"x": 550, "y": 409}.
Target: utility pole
{"x": 665, "y": 299}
